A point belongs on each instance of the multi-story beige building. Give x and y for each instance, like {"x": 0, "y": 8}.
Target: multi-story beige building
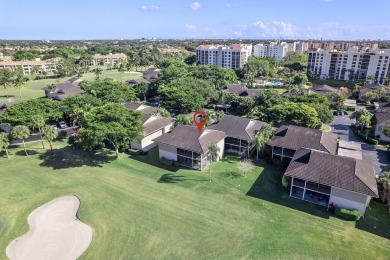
{"x": 111, "y": 58}
{"x": 233, "y": 56}
{"x": 28, "y": 66}
{"x": 355, "y": 64}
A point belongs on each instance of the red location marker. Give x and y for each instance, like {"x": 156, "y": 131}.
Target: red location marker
{"x": 200, "y": 119}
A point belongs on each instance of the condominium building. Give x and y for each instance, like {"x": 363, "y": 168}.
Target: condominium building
{"x": 271, "y": 49}
{"x": 355, "y": 64}
{"x": 111, "y": 58}
{"x": 301, "y": 47}
{"x": 233, "y": 56}
{"x": 29, "y": 66}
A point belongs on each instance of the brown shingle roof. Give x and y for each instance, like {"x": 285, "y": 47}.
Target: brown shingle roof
{"x": 63, "y": 90}
{"x": 382, "y": 117}
{"x": 238, "y": 127}
{"x": 325, "y": 89}
{"x": 188, "y": 138}
{"x": 235, "y": 89}
{"x": 337, "y": 171}
{"x": 152, "y": 124}
{"x": 373, "y": 86}
{"x": 296, "y": 137}
{"x": 145, "y": 109}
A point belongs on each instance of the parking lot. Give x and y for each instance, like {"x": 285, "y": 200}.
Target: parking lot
{"x": 378, "y": 156}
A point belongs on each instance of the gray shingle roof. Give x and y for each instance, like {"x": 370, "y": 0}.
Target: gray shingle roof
{"x": 337, "y": 171}
{"x": 373, "y": 86}
{"x": 234, "y": 89}
{"x": 238, "y": 127}
{"x": 145, "y": 109}
{"x": 188, "y": 138}
{"x": 296, "y": 137}
{"x": 382, "y": 117}
{"x": 325, "y": 89}
{"x": 155, "y": 123}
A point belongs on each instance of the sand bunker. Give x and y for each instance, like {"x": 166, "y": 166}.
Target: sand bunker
{"x": 55, "y": 233}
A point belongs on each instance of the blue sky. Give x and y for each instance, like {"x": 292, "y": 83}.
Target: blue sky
{"x": 129, "y": 19}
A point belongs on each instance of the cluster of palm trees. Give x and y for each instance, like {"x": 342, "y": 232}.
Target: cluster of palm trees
{"x": 15, "y": 79}
{"x": 22, "y": 132}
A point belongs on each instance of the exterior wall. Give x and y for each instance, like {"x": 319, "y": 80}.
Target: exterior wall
{"x": 223, "y": 56}
{"x": 379, "y": 132}
{"x": 148, "y": 139}
{"x": 221, "y": 146}
{"x": 136, "y": 146}
{"x": 167, "y": 151}
{"x": 349, "y": 200}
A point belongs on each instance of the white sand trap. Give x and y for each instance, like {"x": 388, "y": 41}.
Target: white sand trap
{"x": 55, "y": 233}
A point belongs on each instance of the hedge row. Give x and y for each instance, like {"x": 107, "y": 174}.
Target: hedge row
{"x": 367, "y": 139}
{"x": 346, "y": 214}
{"x": 168, "y": 162}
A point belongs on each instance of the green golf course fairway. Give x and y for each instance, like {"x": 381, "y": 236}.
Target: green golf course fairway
{"x": 143, "y": 211}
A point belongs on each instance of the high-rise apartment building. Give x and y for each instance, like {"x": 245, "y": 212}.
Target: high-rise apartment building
{"x": 271, "y": 49}
{"x": 356, "y": 63}
{"x": 233, "y": 56}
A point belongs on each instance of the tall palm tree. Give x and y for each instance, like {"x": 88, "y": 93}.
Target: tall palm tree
{"x": 19, "y": 83}
{"x": 214, "y": 151}
{"x": 4, "y": 142}
{"x": 49, "y": 134}
{"x": 21, "y": 132}
{"x": 39, "y": 122}
{"x": 98, "y": 72}
{"x": 261, "y": 139}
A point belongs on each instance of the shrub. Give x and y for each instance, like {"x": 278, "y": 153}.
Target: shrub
{"x": 372, "y": 141}
{"x": 346, "y": 214}
{"x": 176, "y": 164}
{"x": 350, "y": 109}
{"x": 62, "y": 135}
{"x": 361, "y": 135}
{"x": 165, "y": 161}
{"x": 285, "y": 181}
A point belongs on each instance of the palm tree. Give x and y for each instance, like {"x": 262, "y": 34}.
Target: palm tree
{"x": 261, "y": 139}
{"x": 98, "y": 72}
{"x": 49, "y": 134}
{"x": 214, "y": 151}
{"x": 19, "y": 83}
{"x": 21, "y": 132}
{"x": 39, "y": 122}
{"x": 183, "y": 119}
{"x": 4, "y": 142}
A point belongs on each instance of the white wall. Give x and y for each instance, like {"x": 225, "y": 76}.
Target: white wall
{"x": 379, "y": 131}
{"x": 221, "y": 146}
{"x": 168, "y": 152}
{"x": 349, "y": 200}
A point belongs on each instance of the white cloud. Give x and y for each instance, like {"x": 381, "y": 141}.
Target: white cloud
{"x": 228, "y": 5}
{"x": 191, "y": 27}
{"x": 149, "y": 8}
{"x": 263, "y": 29}
{"x": 195, "y": 6}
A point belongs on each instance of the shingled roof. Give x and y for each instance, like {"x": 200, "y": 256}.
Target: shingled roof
{"x": 238, "y": 127}
{"x": 145, "y": 109}
{"x": 373, "y": 86}
{"x": 65, "y": 89}
{"x": 325, "y": 89}
{"x": 188, "y": 138}
{"x": 337, "y": 171}
{"x": 152, "y": 123}
{"x": 296, "y": 137}
{"x": 382, "y": 117}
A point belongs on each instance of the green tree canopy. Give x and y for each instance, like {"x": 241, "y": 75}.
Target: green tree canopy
{"x": 294, "y": 113}
{"x": 25, "y": 55}
{"x": 112, "y": 124}
{"x": 22, "y": 113}
{"x": 21, "y": 132}
{"x": 110, "y": 91}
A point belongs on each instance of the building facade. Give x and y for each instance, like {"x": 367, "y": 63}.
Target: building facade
{"x": 110, "y": 58}
{"x": 271, "y": 49}
{"x": 233, "y": 56}
{"x": 28, "y": 66}
{"x": 355, "y": 64}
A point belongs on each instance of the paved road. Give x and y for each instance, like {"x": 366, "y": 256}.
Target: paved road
{"x": 37, "y": 137}
{"x": 378, "y": 156}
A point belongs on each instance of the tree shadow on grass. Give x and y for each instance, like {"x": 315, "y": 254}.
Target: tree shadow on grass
{"x": 29, "y": 152}
{"x": 376, "y": 221}
{"x": 268, "y": 186}
{"x": 172, "y": 178}
{"x": 70, "y": 157}
{"x": 151, "y": 158}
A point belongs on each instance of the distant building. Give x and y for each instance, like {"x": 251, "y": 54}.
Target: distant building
{"x": 65, "y": 89}
{"x": 28, "y": 66}
{"x": 271, "y": 49}
{"x": 111, "y": 58}
{"x": 233, "y": 56}
{"x": 355, "y": 64}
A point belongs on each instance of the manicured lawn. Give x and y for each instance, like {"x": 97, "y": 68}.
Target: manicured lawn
{"x": 33, "y": 88}
{"x": 143, "y": 211}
